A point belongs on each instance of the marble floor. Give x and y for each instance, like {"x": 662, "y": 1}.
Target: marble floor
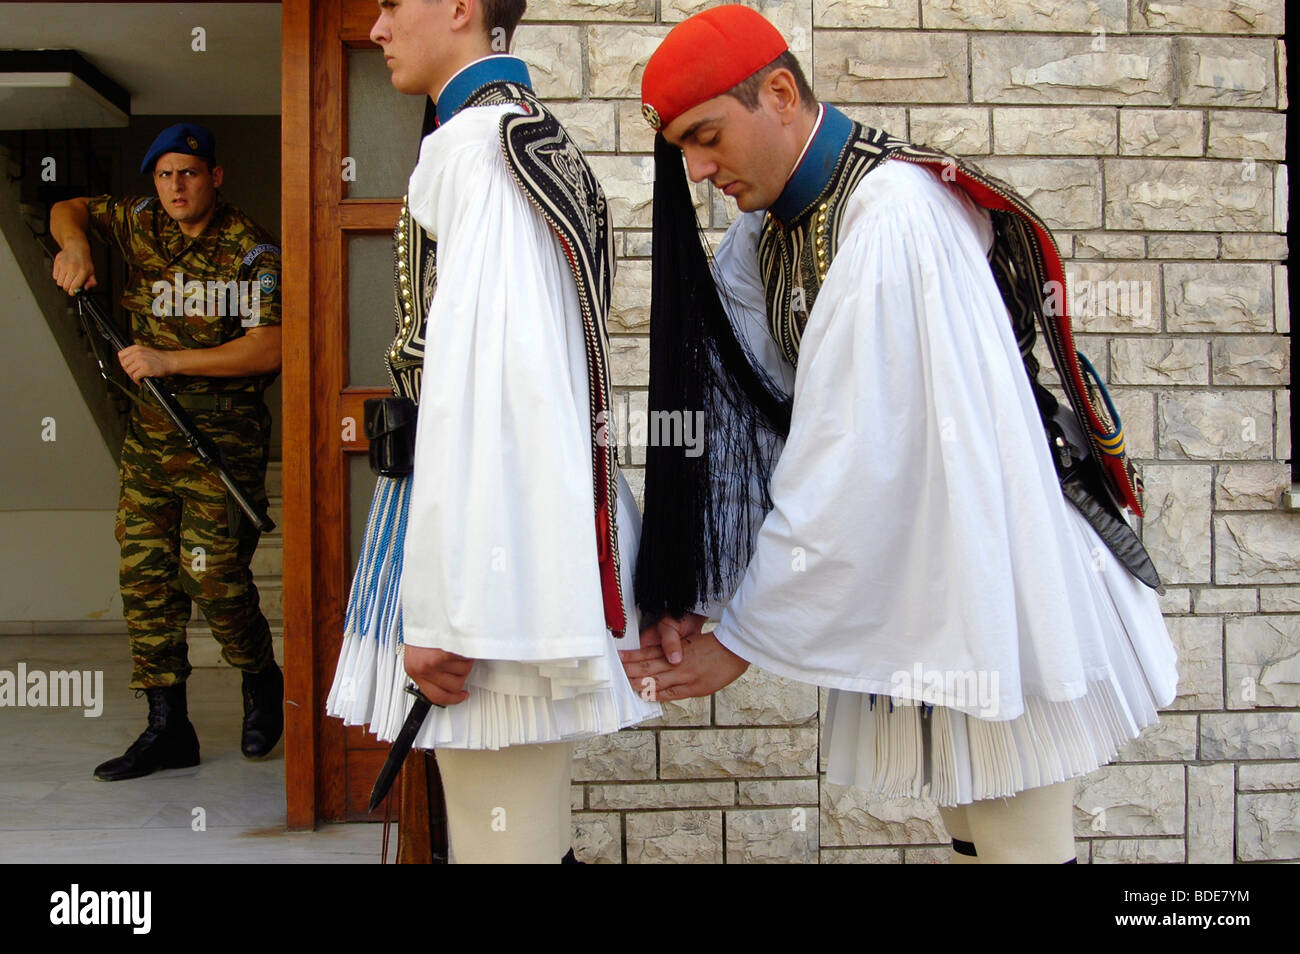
{"x": 53, "y": 810}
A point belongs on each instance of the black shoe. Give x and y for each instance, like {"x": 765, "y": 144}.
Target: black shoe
{"x": 169, "y": 742}
{"x": 263, "y": 711}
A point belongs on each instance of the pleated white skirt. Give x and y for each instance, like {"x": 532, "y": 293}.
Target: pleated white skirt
{"x": 893, "y": 747}
{"x": 510, "y": 702}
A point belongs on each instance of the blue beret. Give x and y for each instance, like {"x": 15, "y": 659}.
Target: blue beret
{"x": 189, "y": 138}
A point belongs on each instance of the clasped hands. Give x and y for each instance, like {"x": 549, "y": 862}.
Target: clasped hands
{"x": 679, "y": 661}
{"x": 676, "y": 661}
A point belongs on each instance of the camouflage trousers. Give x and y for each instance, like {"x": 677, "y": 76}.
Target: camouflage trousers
{"x": 181, "y": 541}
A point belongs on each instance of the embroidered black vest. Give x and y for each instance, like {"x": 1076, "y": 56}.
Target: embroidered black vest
{"x": 415, "y": 277}
{"x": 793, "y": 257}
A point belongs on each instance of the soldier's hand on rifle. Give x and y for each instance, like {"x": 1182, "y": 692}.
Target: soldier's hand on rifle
{"x": 440, "y": 675}
{"x": 74, "y": 268}
{"x": 141, "y": 362}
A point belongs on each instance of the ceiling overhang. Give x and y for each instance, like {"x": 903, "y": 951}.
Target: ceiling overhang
{"x": 57, "y": 89}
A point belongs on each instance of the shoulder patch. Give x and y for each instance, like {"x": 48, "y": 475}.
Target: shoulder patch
{"x": 267, "y": 282}
{"x": 260, "y": 250}
{"x": 142, "y": 204}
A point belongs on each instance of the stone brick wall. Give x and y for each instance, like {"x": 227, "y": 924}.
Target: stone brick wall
{"x": 1151, "y": 136}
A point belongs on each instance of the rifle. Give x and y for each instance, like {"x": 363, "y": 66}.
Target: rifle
{"x": 203, "y": 446}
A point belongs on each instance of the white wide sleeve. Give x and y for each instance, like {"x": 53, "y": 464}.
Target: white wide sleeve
{"x": 916, "y": 511}
{"x": 500, "y": 559}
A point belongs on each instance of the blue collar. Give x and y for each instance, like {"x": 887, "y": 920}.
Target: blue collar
{"x": 470, "y": 79}
{"x": 813, "y": 173}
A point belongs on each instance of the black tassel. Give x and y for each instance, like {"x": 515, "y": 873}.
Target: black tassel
{"x": 701, "y": 512}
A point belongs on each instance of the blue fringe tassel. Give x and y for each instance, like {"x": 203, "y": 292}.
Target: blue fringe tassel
{"x": 384, "y": 536}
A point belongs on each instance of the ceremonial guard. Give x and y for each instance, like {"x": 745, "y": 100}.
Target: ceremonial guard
{"x": 496, "y": 570}
{"x": 892, "y": 504}
{"x": 204, "y": 300}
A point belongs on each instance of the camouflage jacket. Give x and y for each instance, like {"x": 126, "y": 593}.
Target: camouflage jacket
{"x": 192, "y": 292}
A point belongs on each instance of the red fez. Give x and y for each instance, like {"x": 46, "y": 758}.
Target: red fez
{"x": 703, "y": 57}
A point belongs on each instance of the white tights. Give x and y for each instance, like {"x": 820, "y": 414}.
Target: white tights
{"x": 511, "y": 806}
{"x": 507, "y": 806}
{"x": 1034, "y": 827}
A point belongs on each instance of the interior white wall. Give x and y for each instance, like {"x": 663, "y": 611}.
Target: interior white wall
{"x": 58, "y": 558}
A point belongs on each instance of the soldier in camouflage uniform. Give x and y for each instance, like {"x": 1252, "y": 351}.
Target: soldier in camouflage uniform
{"x": 203, "y": 295}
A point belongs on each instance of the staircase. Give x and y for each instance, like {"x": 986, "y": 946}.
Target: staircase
{"x": 24, "y": 213}
{"x": 268, "y": 563}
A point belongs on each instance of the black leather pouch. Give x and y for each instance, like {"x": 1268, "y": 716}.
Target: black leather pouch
{"x": 390, "y": 428}
{"x": 1085, "y": 487}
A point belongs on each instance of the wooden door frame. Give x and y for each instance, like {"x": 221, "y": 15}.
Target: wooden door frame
{"x": 317, "y": 222}
{"x": 302, "y": 383}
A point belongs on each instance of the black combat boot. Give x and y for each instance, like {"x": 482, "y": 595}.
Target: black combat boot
{"x": 263, "y": 711}
{"x": 169, "y": 742}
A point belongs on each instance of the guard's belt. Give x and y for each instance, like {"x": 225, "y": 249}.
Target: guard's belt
{"x": 194, "y": 401}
